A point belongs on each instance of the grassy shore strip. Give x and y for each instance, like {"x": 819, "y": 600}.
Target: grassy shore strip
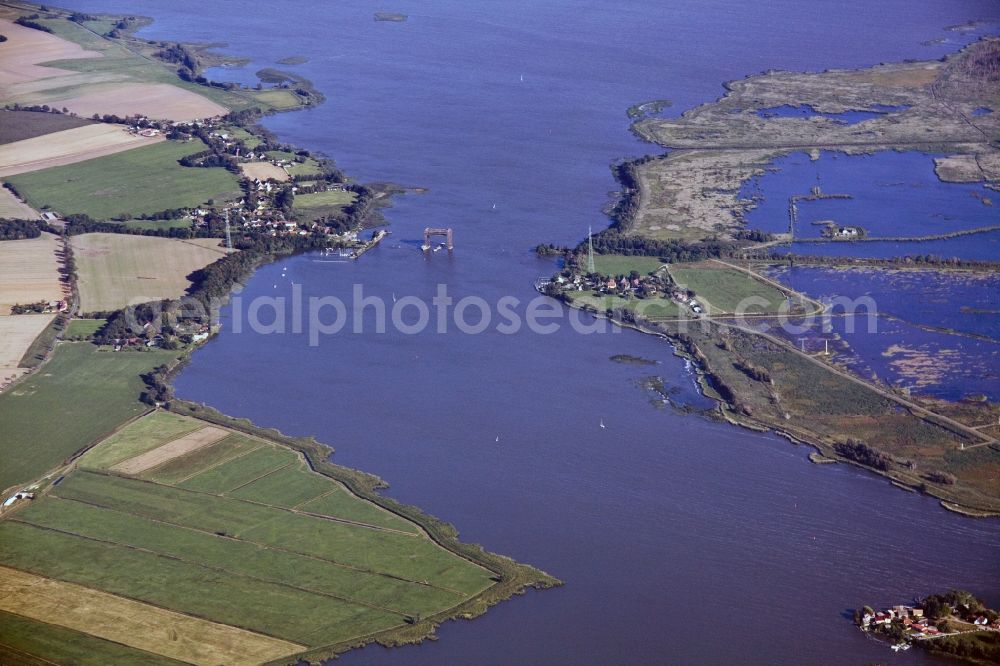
{"x": 509, "y": 577}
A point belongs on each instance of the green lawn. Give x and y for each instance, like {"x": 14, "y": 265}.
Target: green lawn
{"x": 327, "y": 199}
{"x": 19, "y": 635}
{"x": 652, "y": 307}
{"x": 725, "y": 289}
{"x": 84, "y": 328}
{"x": 251, "y": 140}
{"x": 79, "y": 396}
{"x": 308, "y": 168}
{"x": 620, "y": 264}
{"x": 133, "y": 182}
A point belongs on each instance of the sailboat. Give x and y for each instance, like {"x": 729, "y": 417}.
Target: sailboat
{"x": 602, "y": 424}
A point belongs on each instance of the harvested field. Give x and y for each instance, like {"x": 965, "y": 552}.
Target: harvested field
{"x": 29, "y": 271}
{"x": 133, "y": 623}
{"x": 144, "y": 435}
{"x": 13, "y": 208}
{"x": 26, "y": 47}
{"x": 156, "y": 100}
{"x": 100, "y": 82}
{"x": 23, "y": 636}
{"x": 175, "y": 449}
{"x": 68, "y": 147}
{"x": 117, "y": 270}
{"x": 20, "y": 125}
{"x": 16, "y": 335}
{"x": 130, "y": 183}
{"x": 263, "y": 171}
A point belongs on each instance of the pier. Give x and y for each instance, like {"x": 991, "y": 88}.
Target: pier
{"x": 430, "y": 232}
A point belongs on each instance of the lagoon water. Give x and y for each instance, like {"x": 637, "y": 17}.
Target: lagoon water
{"x": 680, "y": 540}
{"x": 892, "y": 195}
{"x": 938, "y": 335}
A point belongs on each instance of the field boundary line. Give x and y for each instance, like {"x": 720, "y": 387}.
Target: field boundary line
{"x": 213, "y": 465}
{"x": 140, "y": 601}
{"x": 298, "y": 506}
{"x": 225, "y": 493}
{"x": 208, "y": 567}
{"x": 259, "y": 544}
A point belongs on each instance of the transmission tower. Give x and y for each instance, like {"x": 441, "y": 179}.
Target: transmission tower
{"x": 590, "y": 251}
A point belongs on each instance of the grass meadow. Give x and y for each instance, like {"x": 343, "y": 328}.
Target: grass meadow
{"x": 135, "y": 182}
{"x": 79, "y": 396}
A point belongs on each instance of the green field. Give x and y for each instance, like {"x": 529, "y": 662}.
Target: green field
{"x": 240, "y": 471}
{"x": 179, "y": 469}
{"x": 20, "y": 635}
{"x": 619, "y": 264}
{"x": 325, "y": 581}
{"x": 133, "y": 182}
{"x": 83, "y": 328}
{"x": 181, "y": 223}
{"x": 725, "y": 289}
{"x": 327, "y": 199}
{"x": 308, "y": 168}
{"x": 235, "y": 131}
{"x": 80, "y": 395}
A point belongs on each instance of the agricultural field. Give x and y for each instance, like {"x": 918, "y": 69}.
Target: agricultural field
{"x": 322, "y": 203}
{"x": 117, "y": 270}
{"x": 69, "y": 146}
{"x": 263, "y": 171}
{"x": 29, "y": 271}
{"x": 131, "y": 183}
{"x": 619, "y": 264}
{"x": 78, "y": 397}
{"x": 20, "y": 125}
{"x": 23, "y": 636}
{"x": 12, "y": 208}
{"x": 724, "y": 289}
{"x": 260, "y": 525}
{"x": 88, "y": 74}
{"x": 133, "y": 624}
{"x": 17, "y": 332}
{"x": 180, "y": 223}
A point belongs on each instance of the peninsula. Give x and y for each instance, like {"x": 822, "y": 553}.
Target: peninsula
{"x": 680, "y": 260}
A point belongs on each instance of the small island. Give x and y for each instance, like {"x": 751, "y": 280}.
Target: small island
{"x": 956, "y": 624}
{"x": 393, "y": 17}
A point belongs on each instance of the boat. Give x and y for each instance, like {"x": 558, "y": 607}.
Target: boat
{"x": 602, "y": 424}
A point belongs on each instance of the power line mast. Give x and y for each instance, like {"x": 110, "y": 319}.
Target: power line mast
{"x": 590, "y": 251}
{"x": 229, "y": 235}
